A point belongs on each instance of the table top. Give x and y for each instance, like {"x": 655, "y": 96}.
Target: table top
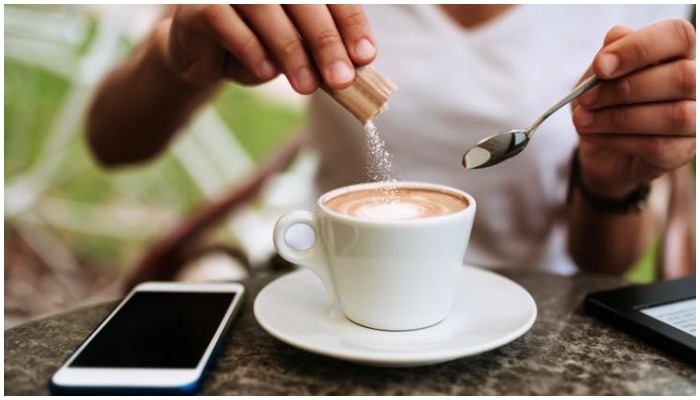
{"x": 566, "y": 352}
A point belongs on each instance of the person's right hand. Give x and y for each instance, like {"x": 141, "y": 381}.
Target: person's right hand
{"x": 252, "y": 44}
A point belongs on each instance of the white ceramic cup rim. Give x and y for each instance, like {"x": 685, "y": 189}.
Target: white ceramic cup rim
{"x": 471, "y": 203}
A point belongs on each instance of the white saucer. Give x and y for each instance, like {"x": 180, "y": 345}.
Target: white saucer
{"x": 489, "y": 311}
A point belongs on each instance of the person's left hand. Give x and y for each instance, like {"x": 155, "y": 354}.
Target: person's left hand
{"x": 639, "y": 122}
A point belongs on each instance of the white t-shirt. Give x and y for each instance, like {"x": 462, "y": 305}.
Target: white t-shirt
{"x": 456, "y": 86}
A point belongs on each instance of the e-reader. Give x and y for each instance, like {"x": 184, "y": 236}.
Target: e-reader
{"x": 661, "y": 313}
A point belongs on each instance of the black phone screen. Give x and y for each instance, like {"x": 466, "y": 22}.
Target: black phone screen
{"x": 157, "y": 330}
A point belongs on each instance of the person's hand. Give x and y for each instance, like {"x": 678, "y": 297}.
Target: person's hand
{"x": 639, "y": 123}
{"x": 251, "y": 44}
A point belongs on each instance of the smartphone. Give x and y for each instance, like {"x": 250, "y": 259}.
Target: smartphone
{"x": 159, "y": 340}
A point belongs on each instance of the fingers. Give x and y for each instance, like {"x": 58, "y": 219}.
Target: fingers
{"x": 279, "y": 35}
{"x": 315, "y": 24}
{"x": 617, "y": 32}
{"x": 229, "y": 29}
{"x": 308, "y": 43}
{"x": 656, "y": 43}
{"x": 653, "y": 89}
{"x": 664, "y": 118}
{"x": 338, "y": 37}
{"x": 666, "y": 82}
{"x": 356, "y": 32}
{"x": 665, "y": 153}
{"x": 639, "y": 122}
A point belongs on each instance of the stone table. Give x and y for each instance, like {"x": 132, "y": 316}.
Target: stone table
{"x": 566, "y": 352}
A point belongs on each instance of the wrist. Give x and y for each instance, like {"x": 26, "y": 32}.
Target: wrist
{"x": 606, "y": 197}
{"x": 604, "y": 190}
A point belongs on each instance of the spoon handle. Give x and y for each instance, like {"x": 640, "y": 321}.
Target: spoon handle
{"x": 577, "y": 91}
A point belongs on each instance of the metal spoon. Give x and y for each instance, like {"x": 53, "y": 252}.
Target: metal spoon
{"x": 502, "y": 146}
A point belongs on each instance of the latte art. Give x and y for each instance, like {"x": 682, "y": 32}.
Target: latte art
{"x": 404, "y": 204}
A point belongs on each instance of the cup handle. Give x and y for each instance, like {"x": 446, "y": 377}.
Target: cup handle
{"x": 312, "y": 258}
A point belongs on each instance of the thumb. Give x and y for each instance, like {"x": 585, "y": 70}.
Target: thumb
{"x": 615, "y": 33}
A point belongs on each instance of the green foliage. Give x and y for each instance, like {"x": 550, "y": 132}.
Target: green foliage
{"x": 33, "y": 99}
{"x": 260, "y": 126}
{"x": 645, "y": 270}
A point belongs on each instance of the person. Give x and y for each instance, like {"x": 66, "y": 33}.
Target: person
{"x": 463, "y": 72}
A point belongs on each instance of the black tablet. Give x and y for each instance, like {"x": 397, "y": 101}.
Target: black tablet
{"x": 662, "y": 313}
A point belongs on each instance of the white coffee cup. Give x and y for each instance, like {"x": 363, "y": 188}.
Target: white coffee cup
{"x": 384, "y": 273}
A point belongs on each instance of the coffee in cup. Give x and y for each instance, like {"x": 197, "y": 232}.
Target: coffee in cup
{"x": 396, "y": 203}
{"x": 389, "y": 253}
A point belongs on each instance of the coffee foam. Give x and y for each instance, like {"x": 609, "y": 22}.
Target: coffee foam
{"x": 389, "y": 211}
{"x": 404, "y": 204}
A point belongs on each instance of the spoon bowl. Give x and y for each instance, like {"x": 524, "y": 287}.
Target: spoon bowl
{"x": 496, "y": 148}
{"x": 502, "y": 146}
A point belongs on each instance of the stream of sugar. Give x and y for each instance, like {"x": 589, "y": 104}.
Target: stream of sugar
{"x": 379, "y": 166}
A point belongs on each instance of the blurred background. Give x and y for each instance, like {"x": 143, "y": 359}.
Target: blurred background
{"x": 71, "y": 229}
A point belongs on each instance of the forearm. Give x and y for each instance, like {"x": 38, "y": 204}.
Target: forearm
{"x": 635, "y": 126}
{"x": 141, "y": 105}
{"x": 604, "y": 241}
{"x": 610, "y": 226}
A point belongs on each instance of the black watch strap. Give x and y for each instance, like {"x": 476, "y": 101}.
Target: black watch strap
{"x": 633, "y": 202}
